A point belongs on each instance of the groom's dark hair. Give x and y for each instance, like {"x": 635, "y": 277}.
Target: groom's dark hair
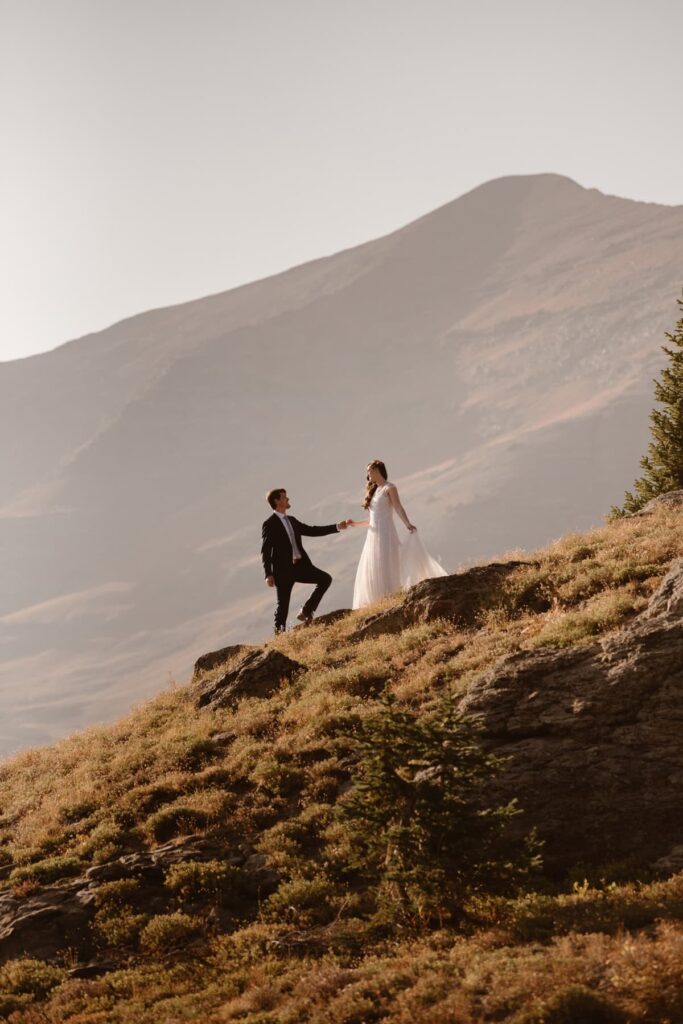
{"x": 273, "y": 496}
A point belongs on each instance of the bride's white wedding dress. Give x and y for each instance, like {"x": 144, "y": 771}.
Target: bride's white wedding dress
{"x": 385, "y": 563}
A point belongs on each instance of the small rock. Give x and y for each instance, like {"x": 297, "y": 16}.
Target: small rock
{"x": 224, "y": 739}
{"x": 92, "y": 968}
{"x": 258, "y": 674}
{"x": 671, "y": 863}
{"x": 255, "y": 862}
{"x": 668, "y": 598}
{"x": 213, "y": 659}
{"x": 391, "y": 621}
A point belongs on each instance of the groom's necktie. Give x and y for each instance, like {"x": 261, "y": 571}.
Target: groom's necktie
{"x": 296, "y": 554}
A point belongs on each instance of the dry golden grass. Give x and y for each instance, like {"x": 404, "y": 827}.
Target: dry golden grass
{"x": 157, "y": 772}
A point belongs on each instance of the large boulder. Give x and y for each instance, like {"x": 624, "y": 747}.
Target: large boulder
{"x": 258, "y": 674}
{"x": 460, "y": 597}
{"x": 595, "y": 737}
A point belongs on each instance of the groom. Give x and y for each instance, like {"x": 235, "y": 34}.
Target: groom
{"x": 285, "y": 562}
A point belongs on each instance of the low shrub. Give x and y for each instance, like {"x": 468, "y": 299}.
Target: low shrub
{"x": 29, "y": 976}
{"x": 207, "y": 880}
{"x": 301, "y": 901}
{"x": 416, "y": 828}
{"x": 574, "y": 1004}
{"x": 169, "y": 933}
{"x": 176, "y": 821}
{"x": 105, "y": 842}
{"x": 122, "y": 892}
{"x": 118, "y": 928}
{"x": 48, "y": 870}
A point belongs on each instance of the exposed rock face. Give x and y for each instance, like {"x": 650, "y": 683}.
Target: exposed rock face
{"x": 58, "y": 916}
{"x": 459, "y": 597}
{"x": 214, "y": 658}
{"x": 596, "y": 737}
{"x": 258, "y": 674}
{"x": 47, "y": 921}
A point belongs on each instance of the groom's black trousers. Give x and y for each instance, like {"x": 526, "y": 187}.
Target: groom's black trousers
{"x": 301, "y": 572}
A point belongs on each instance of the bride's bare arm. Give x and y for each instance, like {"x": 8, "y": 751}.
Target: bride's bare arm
{"x": 361, "y": 522}
{"x": 400, "y": 511}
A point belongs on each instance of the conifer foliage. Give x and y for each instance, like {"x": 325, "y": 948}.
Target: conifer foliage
{"x": 423, "y": 834}
{"x": 663, "y": 465}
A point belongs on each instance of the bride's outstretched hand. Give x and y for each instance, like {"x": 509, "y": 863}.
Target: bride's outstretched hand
{"x": 412, "y": 529}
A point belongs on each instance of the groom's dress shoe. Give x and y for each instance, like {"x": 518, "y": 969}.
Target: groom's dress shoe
{"x": 305, "y": 617}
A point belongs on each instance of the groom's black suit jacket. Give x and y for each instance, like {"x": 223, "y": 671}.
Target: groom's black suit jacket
{"x": 276, "y": 549}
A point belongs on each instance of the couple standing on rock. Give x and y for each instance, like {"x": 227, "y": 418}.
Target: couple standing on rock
{"x": 385, "y": 564}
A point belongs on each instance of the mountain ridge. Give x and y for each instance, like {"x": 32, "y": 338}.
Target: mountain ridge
{"x": 497, "y": 353}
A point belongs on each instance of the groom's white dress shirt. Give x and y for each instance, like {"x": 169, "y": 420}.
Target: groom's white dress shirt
{"x": 296, "y": 554}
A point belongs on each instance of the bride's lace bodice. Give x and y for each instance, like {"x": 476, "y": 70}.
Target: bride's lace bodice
{"x": 380, "y": 507}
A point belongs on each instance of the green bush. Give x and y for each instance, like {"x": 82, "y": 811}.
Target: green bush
{"x": 8, "y": 1004}
{"x": 419, "y": 831}
{"x": 118, "y": 928}
{"x": 301, "y": 901}
{"x": 143, "y": 800}
{"x": 247, "y": 946}
{"x": 168, "y": 933}
{"x": 575, "y": 1004}
{"x": 122, "y": 892}
{"x": 105, "y": 842}
{"x": 48, "y": 870}
{"x": 28, "y": 976}
{"x": 201, "y": 880}
{"x": 176, "y": 821}
{"x": 76, "y": 812}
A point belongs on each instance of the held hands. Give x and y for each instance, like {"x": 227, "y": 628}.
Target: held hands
{"x": 342, "y": 526}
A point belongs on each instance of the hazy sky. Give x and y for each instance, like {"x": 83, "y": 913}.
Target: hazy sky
{"x": 155, "y": 151}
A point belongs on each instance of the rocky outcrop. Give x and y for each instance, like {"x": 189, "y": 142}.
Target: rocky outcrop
{"x": 595, "y": 737}
{"x": 258, "y": 674}
{"x": 460, "y": 597}
{"x": 672, "y": 499}
{"x": 45, "y": 922}
{"x": 208, "y": 662}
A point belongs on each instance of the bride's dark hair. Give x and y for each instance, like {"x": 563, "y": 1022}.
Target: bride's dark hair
{"x": 371, "y": 488}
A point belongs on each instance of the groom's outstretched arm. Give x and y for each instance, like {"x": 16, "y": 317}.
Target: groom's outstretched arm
{"x": 320, "y": 531}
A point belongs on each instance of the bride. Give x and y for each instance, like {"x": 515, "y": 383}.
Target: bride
{"x": 386, "y": 564}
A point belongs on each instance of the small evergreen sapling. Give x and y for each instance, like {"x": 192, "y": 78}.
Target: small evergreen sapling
{"x": 423, "y": 836}
{"x": 663, "y": 465}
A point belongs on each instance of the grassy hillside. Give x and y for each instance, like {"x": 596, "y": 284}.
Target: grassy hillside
{"x": 298, "y": 938}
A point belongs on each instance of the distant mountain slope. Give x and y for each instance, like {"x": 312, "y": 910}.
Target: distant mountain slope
{"x": 497, "y": 353}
